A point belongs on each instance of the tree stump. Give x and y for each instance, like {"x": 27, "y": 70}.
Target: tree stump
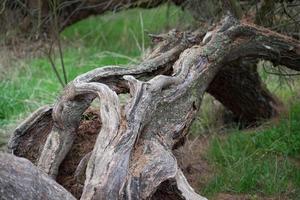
{"x": 132, "y": 156}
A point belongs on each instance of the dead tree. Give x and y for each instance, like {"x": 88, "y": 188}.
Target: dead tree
{"x": 132, "y": 156}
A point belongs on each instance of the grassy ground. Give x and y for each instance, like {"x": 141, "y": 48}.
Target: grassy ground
{"x": 262, "y": 162}
{"x": 111, "y": 39}
{"x": 257, "y": 163}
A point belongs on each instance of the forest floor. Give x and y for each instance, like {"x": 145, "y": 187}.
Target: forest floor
{"x": 220, "y": 160}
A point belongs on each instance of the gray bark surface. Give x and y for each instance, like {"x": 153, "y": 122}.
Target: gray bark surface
{"x": 20, "y": 180}
{"x": 132, "y": 156}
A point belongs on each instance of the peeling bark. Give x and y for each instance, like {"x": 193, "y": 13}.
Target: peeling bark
{"x": 132, "y": 157}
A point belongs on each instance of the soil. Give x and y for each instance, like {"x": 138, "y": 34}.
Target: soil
{"x": 192, "y": 161}
{"x": 83, "y": 144}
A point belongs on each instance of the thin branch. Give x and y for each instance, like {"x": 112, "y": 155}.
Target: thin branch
{"x": 279, "y": 73}
{"x": 54, "y": 66}
{"x": 3, "y": 7}
{"x": 287, "y": 13}
{"x": 56, "y": 32}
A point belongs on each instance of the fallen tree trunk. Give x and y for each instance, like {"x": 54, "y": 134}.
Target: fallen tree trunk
{"x": 20, "y": 179}
{"x": 132, "y": 156}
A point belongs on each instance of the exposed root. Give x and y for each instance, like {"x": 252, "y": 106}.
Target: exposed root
{"x": 132, "y": 156}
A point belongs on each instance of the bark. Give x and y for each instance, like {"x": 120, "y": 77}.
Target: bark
{"x": 20, "y": 179}
{"x": 30, "y": 134}
{"x": 132, "y": 156}
{"x": 240, "y": 89}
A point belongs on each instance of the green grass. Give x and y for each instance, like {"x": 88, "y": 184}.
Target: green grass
{"x": 264, "y": 162}
{"x": 111, "y": 39}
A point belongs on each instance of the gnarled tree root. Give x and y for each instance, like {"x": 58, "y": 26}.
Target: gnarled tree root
{"x": 132, "y": 157}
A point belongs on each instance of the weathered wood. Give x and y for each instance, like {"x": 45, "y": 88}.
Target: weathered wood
{"x": 20, "y": 179}
{"x": 66, "y": 117}
{"x": 67, "y": 111}
{"x": 132, "y": 157}
{"x": 29, "y": 137}
{"x": 240, "y": 89}
{"x": 81, "y": 168}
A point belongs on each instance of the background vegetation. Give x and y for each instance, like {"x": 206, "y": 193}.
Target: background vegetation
{"x": 260, "y": 162}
